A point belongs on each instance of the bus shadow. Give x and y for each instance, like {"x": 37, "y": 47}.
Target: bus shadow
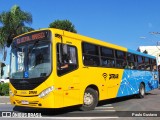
{"x": 116, "y": 100}
{"x": 121, "y": 99}
{"x": 47, "y": 112}
{"x": 151, "y": 94}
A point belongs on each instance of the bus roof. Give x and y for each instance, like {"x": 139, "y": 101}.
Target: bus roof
{"x": 90, "y": 40}
{"x": 139, "y": 53}
{"x": 104, "y": 43}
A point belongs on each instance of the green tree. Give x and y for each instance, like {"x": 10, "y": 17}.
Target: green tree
{"x": 63, "y": 25}
{"x": 13, "y": 24}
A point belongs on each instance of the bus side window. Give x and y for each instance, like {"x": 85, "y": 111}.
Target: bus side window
{"x": 154, "y": 65}
{"x": 90, "y": 54}
{"x": 121, "y": 59}
{"x": 66, "y": 60}
{"x": 147, "y": 63}
{"x": 131, "y": 61}
{"x": 107, "y": 57}
{"x": 141, "y": 65}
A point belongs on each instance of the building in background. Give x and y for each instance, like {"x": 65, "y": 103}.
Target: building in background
{"x": 4, "y": 73}
{"x": 151, "y": 50}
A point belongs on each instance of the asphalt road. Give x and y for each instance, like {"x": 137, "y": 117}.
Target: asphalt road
{"x": 128, "y": 108}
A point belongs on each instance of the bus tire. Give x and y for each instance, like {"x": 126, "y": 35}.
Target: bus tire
{"x": 141, "y": 93}
{"x": 90, "y": 99}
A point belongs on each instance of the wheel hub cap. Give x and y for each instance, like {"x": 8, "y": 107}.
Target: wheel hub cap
{"x": 88, "y": 99}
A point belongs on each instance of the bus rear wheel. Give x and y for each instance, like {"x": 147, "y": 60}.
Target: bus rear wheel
{"x": 90, "y": 99}
{"x": 141, "y": 93}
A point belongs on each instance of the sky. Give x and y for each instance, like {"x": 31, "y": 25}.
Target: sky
{"x": 127, "y": 23}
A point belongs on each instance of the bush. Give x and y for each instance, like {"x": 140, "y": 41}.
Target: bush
{"x": 4, "y": 89}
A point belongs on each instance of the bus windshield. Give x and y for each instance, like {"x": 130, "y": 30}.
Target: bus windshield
{"x": 31, "y": 60}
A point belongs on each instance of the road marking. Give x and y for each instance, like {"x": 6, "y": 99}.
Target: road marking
{"x": 108, "y": 108}
{"x": 5, "y": 103}
{"x": 103, "y": 107}
{"x": 105, "y": 110}
{"x": 107, "y": 105}
{"x": 4, "y": 96}
{"x": 2, "y": 103}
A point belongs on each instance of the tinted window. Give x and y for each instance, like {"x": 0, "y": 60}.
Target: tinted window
{"x": 107, "y": 62}
{"x": 121, "y": 59}
{"x": 91, "y": 60}
{"x": 154, "y": 64}
{"x": 131, "y": 61}
{"x": 90, "y": 49}
{"x": 140, "y": 60}
{"x": 90, "y": 54}
{"x": 146, "y": 60}
{"x": 147, "y": 63}
{"x": 120, "y": 55}
{"x": 130, "y": 57}
{"x": 141, "y": 65}
{"x": 106, "y": 52}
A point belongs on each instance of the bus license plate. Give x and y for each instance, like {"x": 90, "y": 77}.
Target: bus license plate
{"x": 24, "y": 102}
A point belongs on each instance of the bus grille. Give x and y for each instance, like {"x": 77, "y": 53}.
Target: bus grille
{"x": 27, "y": 84}
{"x": 24, "y": 86}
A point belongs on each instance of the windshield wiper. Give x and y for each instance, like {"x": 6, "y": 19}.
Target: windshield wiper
{"x": 34, "y": 45}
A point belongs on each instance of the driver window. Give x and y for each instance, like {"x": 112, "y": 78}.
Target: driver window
{"x": 66, "y": 59}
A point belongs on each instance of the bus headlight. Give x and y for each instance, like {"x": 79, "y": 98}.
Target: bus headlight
{"x": 46, "y": 92}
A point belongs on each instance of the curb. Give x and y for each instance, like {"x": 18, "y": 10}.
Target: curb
{"x": 4, "y": 96}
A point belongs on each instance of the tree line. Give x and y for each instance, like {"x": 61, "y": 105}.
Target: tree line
{"x": 14, "y": 22}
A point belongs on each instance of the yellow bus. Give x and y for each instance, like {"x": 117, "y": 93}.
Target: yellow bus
{"x": 52, "y": 68}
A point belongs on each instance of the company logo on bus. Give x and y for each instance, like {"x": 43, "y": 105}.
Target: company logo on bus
{"x": 111, "y": 76}
{"x": 104, "y": 75}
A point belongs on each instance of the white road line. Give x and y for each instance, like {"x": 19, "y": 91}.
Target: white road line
{"x": 2, "y": 103}
{"x": 107, "y": 105}
{"x": 105, "y": 110}
{"x": 104, "y": 107}
{"x": 4, "y": 96}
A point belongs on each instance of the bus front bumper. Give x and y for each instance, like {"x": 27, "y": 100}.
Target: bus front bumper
{"x": 48, "y": 101}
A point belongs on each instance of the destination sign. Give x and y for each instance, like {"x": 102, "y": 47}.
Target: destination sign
{"x": 41, "y": 35}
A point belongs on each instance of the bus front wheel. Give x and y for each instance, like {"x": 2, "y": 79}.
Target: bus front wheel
{"x": 141, "y": 93}
{"x": 90, "y": 99}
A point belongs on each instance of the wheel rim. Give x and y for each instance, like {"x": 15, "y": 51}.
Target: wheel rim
{"x": 88, "y": 99}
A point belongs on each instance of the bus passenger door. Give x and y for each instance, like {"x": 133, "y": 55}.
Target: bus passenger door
{"x": 67, "y": 72}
